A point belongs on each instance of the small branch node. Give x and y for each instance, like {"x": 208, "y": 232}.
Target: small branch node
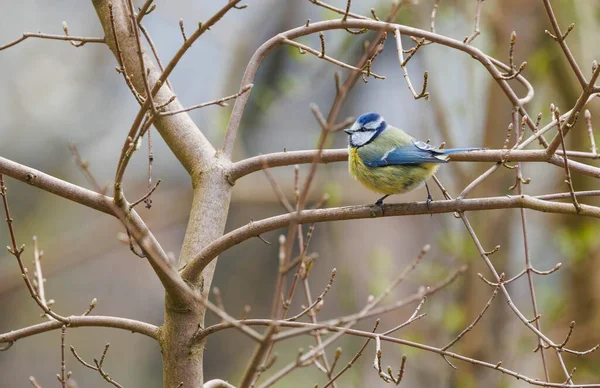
{"x": 322, "y": 38}
{"x": 496, "y": 249}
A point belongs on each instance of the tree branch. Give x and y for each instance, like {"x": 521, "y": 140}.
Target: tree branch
{"x": 281, "y": 38}
{"x": 56, "y": 186}
{"x": 81, "y": 39}
{"x": 416, "y": 345}
{"x": 560, "y": 38}
{"x": 289, "y": 158}
{"x": 155, "y": 254}
{"x": 83, "y": 321}
{"x": 203, "y": 258}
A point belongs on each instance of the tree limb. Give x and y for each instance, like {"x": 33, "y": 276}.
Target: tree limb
{"x": 255, "y": 228}
{"x": 288, "y": 158}
{"x": 83, "y": 321}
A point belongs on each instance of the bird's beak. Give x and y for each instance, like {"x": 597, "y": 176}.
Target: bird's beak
{"x": 348, "y": 131}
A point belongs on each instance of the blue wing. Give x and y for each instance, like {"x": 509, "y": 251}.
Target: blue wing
{"x": 414, "y": 152}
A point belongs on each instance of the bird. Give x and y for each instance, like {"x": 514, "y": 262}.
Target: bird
{"x": 387, "y": 160}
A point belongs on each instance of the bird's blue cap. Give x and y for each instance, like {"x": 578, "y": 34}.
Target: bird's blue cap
{"x": 370, "y": 117}
{"x": 368, "y": 122}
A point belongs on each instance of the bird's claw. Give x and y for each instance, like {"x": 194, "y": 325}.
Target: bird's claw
{"x": 428, "y": 202}
{"x": 381, "y": 206}
{"x": 429, "y": 198}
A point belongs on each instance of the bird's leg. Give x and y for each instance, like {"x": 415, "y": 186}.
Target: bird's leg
{"x": 380, "y": 203}
{"x": 429, "y": 197}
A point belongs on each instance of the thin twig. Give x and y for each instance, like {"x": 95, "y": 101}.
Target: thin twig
{"x": 277, "y": 189}
{"x": 63, "y": 377}
{"x": 570, "y": 121}
{"x": 559, "y": 37}
{"x": 469, "y": 39}
{"x": 121, "y": 69}
{"x": 477, "y": 319}
{"x": 17, "y": 252}
{"x": 38, "y": 281}
{"x": 353, "y": 360}
{"x": 436, "y": 4}
{"x": 148, "y": 199}
{"x": 98, "y": 365}
{"x": 220, "y": 102}
{"x": 528, "y": 265}
{"x": 320, "y": 54}
{"x": 317, "y": 301}
{"x": 39, "y": 35}
{"x": 568, "y": 179}
{"x": 84, "y": 165}
{"x": 389, "y": 376}
{"x": 590, "y": 129}
{"x": 218, "y": 298}
{"x": 368, "y": 310}
{"x": 140, "y": 54}
{"x": 182, "y": 28}
{"x": 92, "y": 305}
{"x": 141, "y": 255}
{"x": 423, "y": 94}
{"x": 415, "y": 315}
{"x": 34, "y": 382}
{"x": 258, "y": 355}
{"x": 146, "y": 196}
{"x": 154, "y": 51}
{"x": 145, "y": 9}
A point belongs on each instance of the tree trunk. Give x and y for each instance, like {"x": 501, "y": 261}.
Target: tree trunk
{"x": 182, "y": 354}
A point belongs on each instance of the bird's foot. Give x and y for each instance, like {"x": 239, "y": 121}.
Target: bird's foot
{"x": 381, "y": 205}
{"x": 429, "y": 198}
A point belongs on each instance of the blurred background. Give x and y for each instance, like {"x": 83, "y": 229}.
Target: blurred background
{"x": 53, "y": 94}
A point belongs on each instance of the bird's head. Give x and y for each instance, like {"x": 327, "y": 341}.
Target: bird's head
{"x": 365, "y": 129}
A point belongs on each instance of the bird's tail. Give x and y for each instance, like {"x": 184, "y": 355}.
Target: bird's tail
{"x": 455, "y": 150}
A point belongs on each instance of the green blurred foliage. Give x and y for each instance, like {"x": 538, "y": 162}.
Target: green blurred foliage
{"x": 577, "y": 243}
{"x": 454, "y": 318}
{"x": 381, "y": 265}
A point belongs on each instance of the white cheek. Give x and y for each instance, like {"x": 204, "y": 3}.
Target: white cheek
{"x": 361, "y": 138}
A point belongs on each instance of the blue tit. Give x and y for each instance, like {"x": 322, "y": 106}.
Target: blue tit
{"x": 387, "y": 160}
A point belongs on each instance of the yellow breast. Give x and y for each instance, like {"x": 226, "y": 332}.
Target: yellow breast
{"x": 389, "y": 179}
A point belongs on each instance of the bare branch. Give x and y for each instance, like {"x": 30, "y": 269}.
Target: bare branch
{"x": 356, "y": 212}
{"x": 588, "y": 122}
{"x": 56, "y": 186}
{"x": 469, "y": 39}
{"x": 560, "y": 38}
{"x": 145, "y": 9}
{"x": 63, "y": 377}
{"x": 568, "y": 179}
{"x": 330, "y": 59}
{"x": 84, "y": 165}
{"x": 259, "y": 353}
{"x": 424, "y": 94}
{"x": 81, "y": 39}
{"x": 146, "y": 196}
{"x": 317, "y": 301}
{"x": 247, "y": 166}
{"x": 353, "y": 360}
{"x": 477, "y": 319}
{"x": 400, "y": 341}
{"x": 220, "y": 102}
{"x": 98, "y": 367}
{"x": 565, "y": 126}
{"x": 17, "y": 252}
{"x": 83, "y": 321}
